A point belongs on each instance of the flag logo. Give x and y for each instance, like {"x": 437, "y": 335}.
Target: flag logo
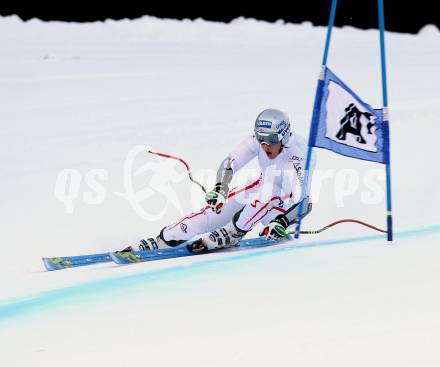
{"x": 346, "y": 125}
{"x": 352, "y": 123}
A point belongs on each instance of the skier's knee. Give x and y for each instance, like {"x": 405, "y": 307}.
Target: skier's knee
{"x": 170, "y": 243}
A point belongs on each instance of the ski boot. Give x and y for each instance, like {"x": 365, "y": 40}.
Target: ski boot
{"x": 227, "y": 236}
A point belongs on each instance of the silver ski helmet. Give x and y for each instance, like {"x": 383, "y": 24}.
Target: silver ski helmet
{"x": 272, "y": 126}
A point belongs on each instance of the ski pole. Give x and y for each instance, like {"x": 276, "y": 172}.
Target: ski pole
{"x": 289, "y": 231}
{"x": 183, "y": 162}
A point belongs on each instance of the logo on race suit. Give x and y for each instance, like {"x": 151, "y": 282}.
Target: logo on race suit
{"x": 264, "y": 124}
{"x": 183, "y": 227}
{"x": 299, "y": 172}
{"x": 352, "y": 123}
{"x": 295, "y": 158}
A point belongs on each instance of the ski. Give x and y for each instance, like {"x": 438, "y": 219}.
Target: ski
{"x": 67, "y": 262}
{"x": 134, "y": 257}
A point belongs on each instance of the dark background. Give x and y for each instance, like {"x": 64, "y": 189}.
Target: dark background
{"x": 400, "y": 16}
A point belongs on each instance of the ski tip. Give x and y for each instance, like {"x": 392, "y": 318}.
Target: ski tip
{"x": 55, "y": 263}
{"x": 114, "y": 257}
{"x": 47, "y": 264}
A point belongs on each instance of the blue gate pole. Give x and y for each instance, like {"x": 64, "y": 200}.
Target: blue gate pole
{"x": 385, "y": 119}
{"x": 315, "y": 114}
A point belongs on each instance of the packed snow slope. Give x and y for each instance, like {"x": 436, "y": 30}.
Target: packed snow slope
{"x": 87, "y": 98}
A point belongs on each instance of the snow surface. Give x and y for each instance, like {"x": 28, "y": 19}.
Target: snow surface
{"x": 82, "y": 96}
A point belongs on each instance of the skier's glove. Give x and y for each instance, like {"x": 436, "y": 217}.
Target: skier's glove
{"x": 276, "y": 228}
{"x": 217, "y": 197}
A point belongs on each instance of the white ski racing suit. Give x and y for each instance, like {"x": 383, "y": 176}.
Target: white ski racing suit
{"x": 277, "y": 191}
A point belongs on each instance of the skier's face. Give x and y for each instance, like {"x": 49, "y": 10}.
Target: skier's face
{"x": 271, "y": 150}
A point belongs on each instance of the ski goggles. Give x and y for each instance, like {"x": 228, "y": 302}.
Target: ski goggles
{"x": 268, "y": 139}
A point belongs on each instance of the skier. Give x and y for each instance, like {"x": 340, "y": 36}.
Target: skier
{"x": 273, "y": 199}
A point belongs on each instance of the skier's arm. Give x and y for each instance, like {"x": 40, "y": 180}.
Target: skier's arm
{"x": 224, "y": 174}
{"x": 216, "y": 198}
{"x": 241, "y": 155}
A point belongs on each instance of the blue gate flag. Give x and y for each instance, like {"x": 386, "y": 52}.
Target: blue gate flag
{"x": 346, "y": 125}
